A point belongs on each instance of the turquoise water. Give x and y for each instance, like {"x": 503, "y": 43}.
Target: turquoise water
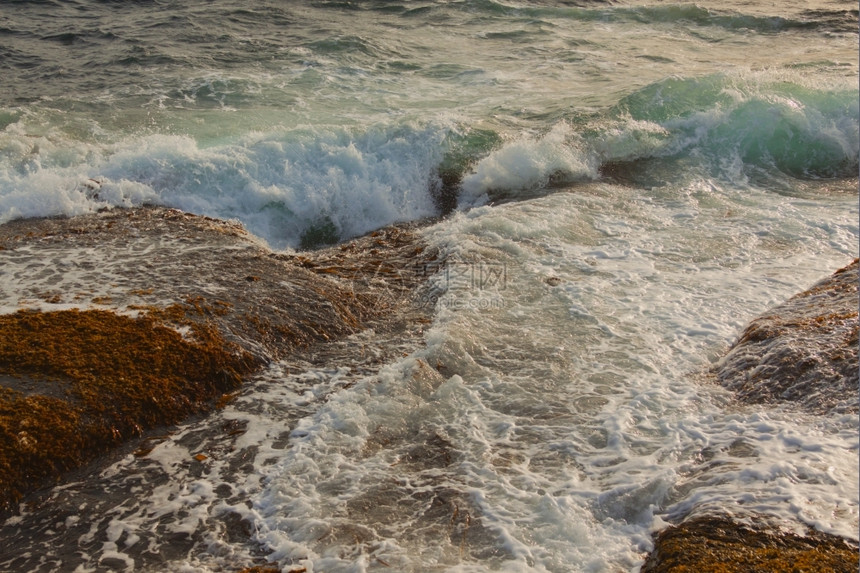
{"x": 649, "y": 176}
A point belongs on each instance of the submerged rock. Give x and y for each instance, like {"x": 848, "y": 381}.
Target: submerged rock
{"x": 803, "y": 351}
{"x": 119, "y": 322}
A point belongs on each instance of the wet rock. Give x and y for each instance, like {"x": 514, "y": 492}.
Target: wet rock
{"x": 721, "y": 545}
{"x": 121, "y": 374}
{"x": 126, "y": 320}
{"x": 802, "y": 352}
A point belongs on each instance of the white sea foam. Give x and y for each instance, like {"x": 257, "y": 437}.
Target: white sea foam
{"x": 570, "y": 449}
{"x": 280, "y": 184}
{"x": 649, "y": 296}
{"x": 529, "y": 163}
{"x": 558, "y": 414}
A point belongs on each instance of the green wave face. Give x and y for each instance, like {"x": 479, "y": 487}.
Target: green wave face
{"x": 801, "y": 139}
{"x": 796, "y": 130}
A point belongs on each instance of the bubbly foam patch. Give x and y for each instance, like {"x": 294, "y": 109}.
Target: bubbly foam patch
{"x": 624, "y": 299}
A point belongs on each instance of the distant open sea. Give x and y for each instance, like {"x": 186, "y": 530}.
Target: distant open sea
{"x": 619, "y": 188}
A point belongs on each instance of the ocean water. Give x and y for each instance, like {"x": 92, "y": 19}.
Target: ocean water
{"x": 622, "y": 186}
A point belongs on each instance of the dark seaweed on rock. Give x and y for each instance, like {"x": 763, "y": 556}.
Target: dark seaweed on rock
{"x": 804, "y": 351}
{"x": 194, "y": 305}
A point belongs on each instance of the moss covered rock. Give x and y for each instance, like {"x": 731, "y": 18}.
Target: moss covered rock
{"x": 80, "y": 382}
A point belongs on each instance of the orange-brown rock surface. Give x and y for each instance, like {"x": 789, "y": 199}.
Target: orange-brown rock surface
{"x": 802, "y": 352}
{"x": 119, "y": 322}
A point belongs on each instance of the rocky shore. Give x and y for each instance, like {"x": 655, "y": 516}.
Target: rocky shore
{"x": 116, "y": 323}
{"x": 801, "y": 354}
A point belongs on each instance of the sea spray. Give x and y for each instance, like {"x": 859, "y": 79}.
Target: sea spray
{"x": 281, "y": 184}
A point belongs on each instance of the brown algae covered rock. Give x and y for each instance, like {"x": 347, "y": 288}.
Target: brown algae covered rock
{"x": 722, "y": 545}
{"x": 115, "y": 323}
{"x": 149, "y": 259}
{"x": 112, "y": 375}
{"x": 803, "y": 351}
